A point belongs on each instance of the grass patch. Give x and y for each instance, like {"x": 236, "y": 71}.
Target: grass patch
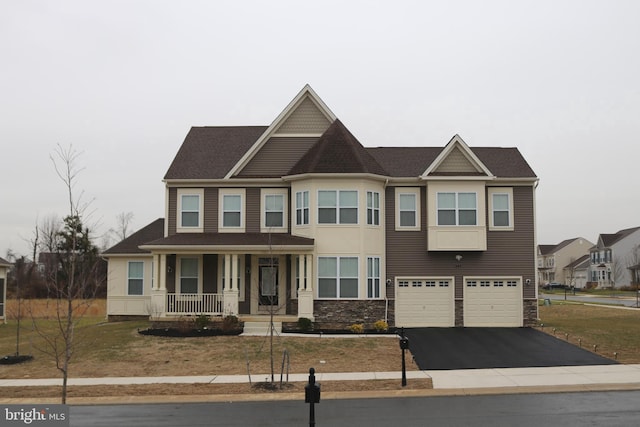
{"x": 611, "y": 330}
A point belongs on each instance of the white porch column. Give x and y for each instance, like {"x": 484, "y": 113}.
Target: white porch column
{"x": 159, "y": 291}
{"x": 230, "y": 293}
{"x": 305, "y": 289}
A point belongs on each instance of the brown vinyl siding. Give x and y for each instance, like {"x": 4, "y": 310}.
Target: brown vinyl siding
{"x": 277, "y": 156}
{"x": 210, "y": 274}
{"x": 252, "y": 224}
{"x": 210, "y": 210}
{"x": 173, "y": 210}
{"x": 508, "y": 252}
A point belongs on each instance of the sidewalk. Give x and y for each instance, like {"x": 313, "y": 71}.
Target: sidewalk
{"x": 613, "y": 376}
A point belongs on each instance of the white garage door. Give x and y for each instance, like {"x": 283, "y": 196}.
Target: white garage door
{"x": 493, "y": 302}
{"x": 424, "y": 302}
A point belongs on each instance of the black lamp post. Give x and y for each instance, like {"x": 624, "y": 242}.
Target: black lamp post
{"x": 404, "y": 345}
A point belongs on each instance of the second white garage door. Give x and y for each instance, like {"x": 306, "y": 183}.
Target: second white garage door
{"x": 424, "y": 302}
{"x": 493, "y": 302}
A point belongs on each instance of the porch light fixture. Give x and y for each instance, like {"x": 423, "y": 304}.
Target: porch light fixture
{"x": 169, "y": 269}
{"x": 458, "y": 257}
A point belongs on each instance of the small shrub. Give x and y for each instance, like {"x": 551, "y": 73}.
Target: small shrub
{"x": 357, "y": 328}
{"x": 381, "y": 326}
{"x": 202, "y": 321}
{"x": 305, "y": 324}
{"x": 184, "y": 325}
{"x": 230, "y": 323}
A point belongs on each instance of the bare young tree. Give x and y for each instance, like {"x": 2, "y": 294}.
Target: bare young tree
{"x": 72, "y": 283}
{"x": 123, "y": 221}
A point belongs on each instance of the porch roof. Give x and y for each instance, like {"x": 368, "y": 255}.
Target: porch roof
{"x": 216, "y": 242}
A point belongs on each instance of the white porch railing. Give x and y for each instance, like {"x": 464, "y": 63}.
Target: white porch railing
{"x": 195, "y": 304}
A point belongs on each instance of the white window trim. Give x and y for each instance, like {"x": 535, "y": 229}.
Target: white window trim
{"x": 357, "y": 206}
{"x": 500, "y": 190}
{"x": 302, "y": 208}
{"x": 190, "y": 192}
{"x": 373, "y": 208}
{"x": 457, "y": 209}
{"x": 179, "y": 272}
{"x": 338, "y": 277}
{"x": 243, "y": 209}
{"x": 408, "y": 190}
{"x": 381, "y": 288}
{"x": 263, "y": 210}
{"x": 129, "y": 278}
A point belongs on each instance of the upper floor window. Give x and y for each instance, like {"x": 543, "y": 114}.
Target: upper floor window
{"x": 337, "y": 207}
{"x": 408, "y": 209}
{"x": 135, "y": 282}
{"x": 457, "y": 208}
{"x": 232, "y": 210}
{"x": 501, "y": 208}
{"x": 338, "y": 277}
{"x": 373, "y": 208}
{"x": 302, "y": 208}
{"x": 274, "y": 210}
{"x": 190, "y": 209}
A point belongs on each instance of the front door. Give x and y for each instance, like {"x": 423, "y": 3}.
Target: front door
{"x": 268, "y": 282}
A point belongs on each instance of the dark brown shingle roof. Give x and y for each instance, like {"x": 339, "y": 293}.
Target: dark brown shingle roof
{"x": 232, "y": 239}
{"x": 153, "y": 231}
{"x": 4, "y": 263}
{"x": 337, "y": 151}
{"x": 610, "y": 239}
{"x": 210, "y": 152}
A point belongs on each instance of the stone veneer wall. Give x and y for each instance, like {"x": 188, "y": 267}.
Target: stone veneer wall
{"x": 343, "y": 313}
{"x": 530, "y": 313}
{"x": 459, "y": 312}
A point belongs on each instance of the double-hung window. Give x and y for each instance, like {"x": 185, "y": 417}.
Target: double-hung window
{"x": 188, "y": 275}
{"x": 373, "y": 208}
{"x": 407, "y": 210}
{"x": 302, "y": 208}
{"x": 373, "y": 277}
{"x": 338, "y": 277}
{"x": 231, "y": 210}
{"x": 457, "y": 209}
{"x": 189, "y": 210}
{"x": 274, "y": 210}
{"x": 337, "y": 207}
{"x": 135, "y": 285}
{"x": 501, "y": 208}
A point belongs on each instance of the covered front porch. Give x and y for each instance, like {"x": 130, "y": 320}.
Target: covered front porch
{"x": 222, "y": 283}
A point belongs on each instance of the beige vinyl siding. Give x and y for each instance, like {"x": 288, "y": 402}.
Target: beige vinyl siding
{"x": 456, "y": 161}
{"x": 210, "y": 210}
{"x": 277, "y": 156}
{"x": 306, "y": 118}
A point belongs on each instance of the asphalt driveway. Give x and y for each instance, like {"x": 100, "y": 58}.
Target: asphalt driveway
{"x": 476, "y": 348}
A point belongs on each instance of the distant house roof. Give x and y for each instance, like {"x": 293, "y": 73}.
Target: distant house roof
{"x": 580, "y": 263}
{"x": 211, "y": 152}
{"x": 4, "y": 263}
{"x": 131, "y": 244}
{"x": 550, "y": 249}
{"x": 610, "y": 239}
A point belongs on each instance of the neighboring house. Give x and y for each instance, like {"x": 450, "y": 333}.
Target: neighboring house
{"x": 300, "y": 219}
{"x": 576, "y": 273}
{"x": 552, "y": 259}
{"x": 4, "y": 269}
{"x": 615, "y": 258}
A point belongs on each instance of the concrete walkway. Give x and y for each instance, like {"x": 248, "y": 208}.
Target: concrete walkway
{"x": 613, "y": 376}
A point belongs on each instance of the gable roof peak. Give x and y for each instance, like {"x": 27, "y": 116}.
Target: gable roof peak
{"x": 456, "y": 147}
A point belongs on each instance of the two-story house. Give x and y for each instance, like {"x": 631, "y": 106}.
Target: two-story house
{"x": 552, "y": 259}
{"x": 614, "y": 258}
{"x": 4, "y": 269}
{"x": 300, "y": 218}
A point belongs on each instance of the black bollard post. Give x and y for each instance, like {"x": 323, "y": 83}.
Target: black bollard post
{"x": 404, "y": 345}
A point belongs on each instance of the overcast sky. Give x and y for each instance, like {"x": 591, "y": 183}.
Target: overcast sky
{"x": 123, "y": 81}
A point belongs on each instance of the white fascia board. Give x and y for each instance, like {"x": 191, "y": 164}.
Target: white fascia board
{"x": 306, "y": 91}
{"x": 239, "y": 249}
{"x": 457, "y": 141}
{"x": 335, "y": 176}
{"x": 236, "y": 182}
